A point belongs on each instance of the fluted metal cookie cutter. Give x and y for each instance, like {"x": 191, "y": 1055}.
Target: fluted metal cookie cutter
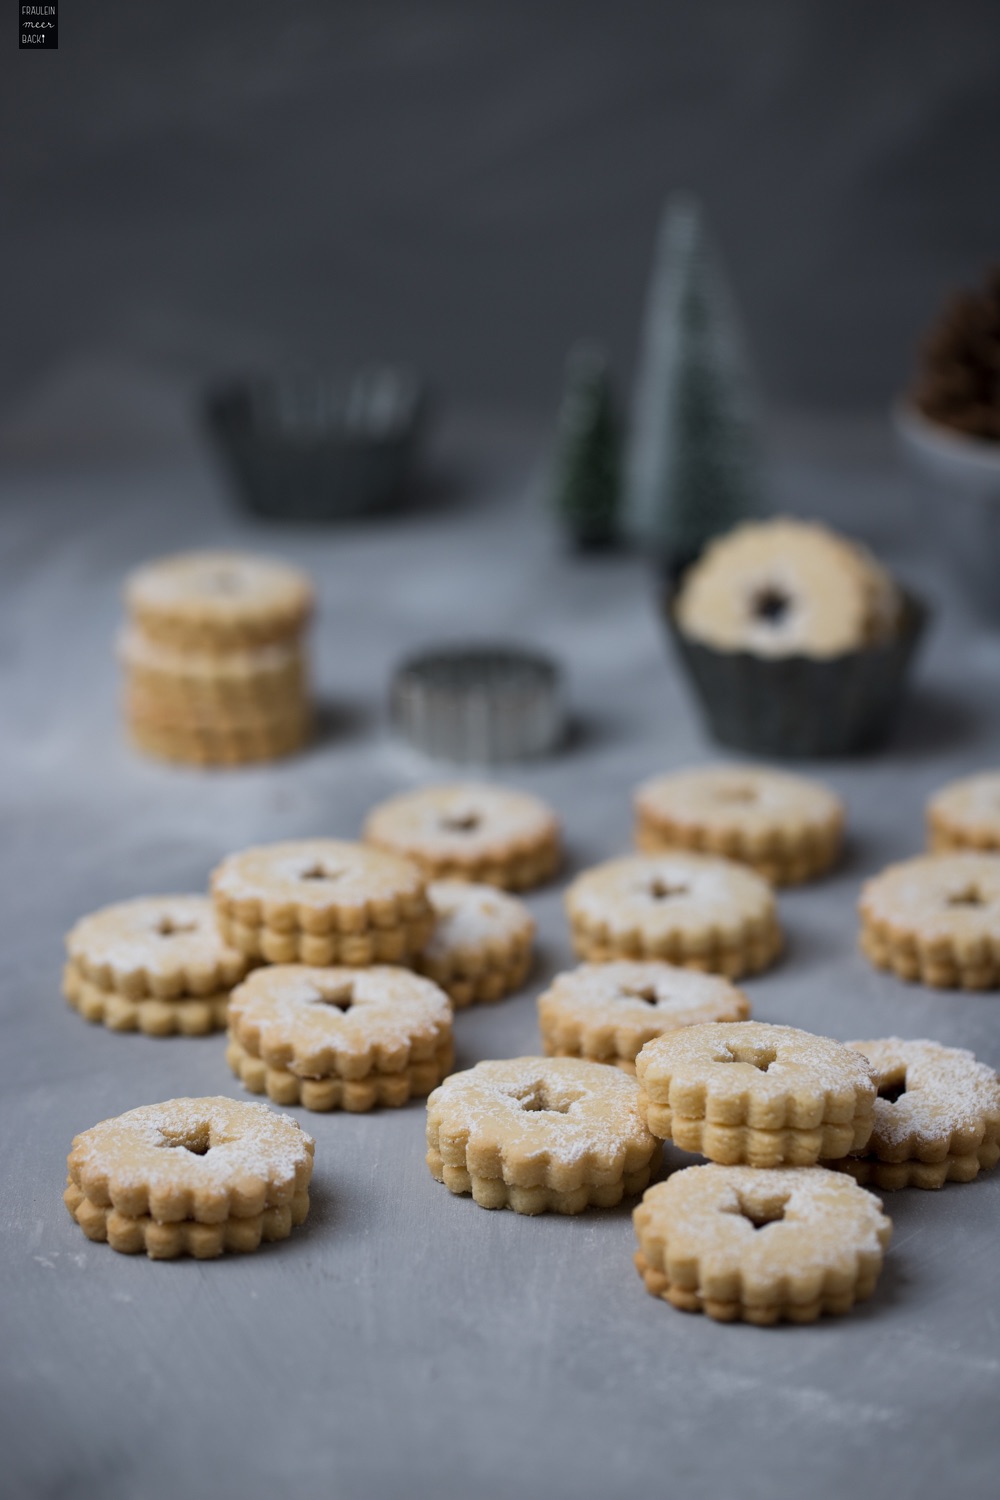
{"x": 478, "y": 704}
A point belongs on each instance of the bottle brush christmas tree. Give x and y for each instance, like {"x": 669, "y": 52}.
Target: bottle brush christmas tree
{"x": 693, "y": 461}
{"x": 586, "y": 469}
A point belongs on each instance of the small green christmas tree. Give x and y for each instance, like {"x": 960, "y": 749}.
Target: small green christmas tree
{"x": 693, "y": 461}
{"x": 586, "y": 470}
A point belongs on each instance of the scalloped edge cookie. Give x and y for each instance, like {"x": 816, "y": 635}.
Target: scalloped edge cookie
{"x": 512, "y": 1134}
{"x": 205, "y": 1159}
{"x": 760, "y": 1246}
{"x": 218, "y": 600}
{"x": 694, "y": 910}
{"x": 948, "y": 1129}
{"x": 339, "y": 1038}
{"x": 195, "y": 1015}
{"x": 481, "y": 948}
{"x": 787, "y": 828}
{"x": 471, "y": 831}
{"x": 935, "y": 920}
{"x": 364, "y": 906}
{"x": 160, "y": 947}
{"x": 749, "y": 1093}
{"x": 131, "y": 1236}
{"x": 608, "y": 1012}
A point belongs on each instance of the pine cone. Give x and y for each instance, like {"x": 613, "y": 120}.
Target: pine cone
{"x": 958, "y": 383}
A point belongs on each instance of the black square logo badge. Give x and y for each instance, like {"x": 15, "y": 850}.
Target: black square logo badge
{"x": 38, "y": 25}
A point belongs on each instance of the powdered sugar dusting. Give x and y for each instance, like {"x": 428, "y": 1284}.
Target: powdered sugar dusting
{"x": 474, "y": 917}
{"x": 299, "y": 1006}
{"x": 156, "y": 935}
{"x": 814, "y": 1220}
{"x": 671, "y": 892}
{"x": 463, "y": 821}
{"x": 796, "y": 1061}
{"x": 950, "y": 1098}
{"x": 757, "y": 802}
{"x": 644, "y": 991}
{"x": 228, "y": 585}
{"x": 145, "y": 1146}
{"x": 970, "y": 806}
{"x": 955, "y": 897}
{"x": 595, "y": 1109}
{"x": 316, "y": 873}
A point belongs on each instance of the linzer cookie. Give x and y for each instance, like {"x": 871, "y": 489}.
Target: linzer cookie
{"x": 322, "y": 902}
{"x": 157, "y": 964}
{"x": 193, "y": 1015}
{"x": 213, "y": 659}
{"x": 936, "y": 919}
{"x": 966, "y": 814}
{"x": 764, "y": 1247}
{"x": 339, "y": 1038}
{"x": 190, "y": 1177}
{"x": 608, "y": 1012}
{"x": 470, "y": 832}
{"x": 218, "y": 601}
{"x": 786, "y": 587}
{"x": 189, "y": 684}
{"x": 217, "y": 744}
{"x": 688, "y": 909}
{"x": 749, "y": 1093}
{"x": 788, "y": 828}
{"x": 937, "y": 1117}
{"x": 536, "y": 1134}
{"x": 481, "y": 946}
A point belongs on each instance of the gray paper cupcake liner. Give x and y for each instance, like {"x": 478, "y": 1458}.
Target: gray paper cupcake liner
{"x": 312, "y": 448}
{"x": 801, "y": 706}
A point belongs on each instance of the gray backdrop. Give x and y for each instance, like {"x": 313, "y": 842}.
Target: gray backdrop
{"x": 471, "y": 186}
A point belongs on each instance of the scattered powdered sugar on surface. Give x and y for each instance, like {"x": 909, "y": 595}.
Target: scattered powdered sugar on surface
{"x": 349, "y": 874}
{"x": 471, "y": 916}
{"x": 145, "y": 1145}
{"x": 595, "y": 1106}
{"x": 388, "y": 1006}
{"x": 946, "y": 1090}
{"x": 461, "y": 820}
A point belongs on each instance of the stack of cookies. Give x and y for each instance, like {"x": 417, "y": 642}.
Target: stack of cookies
{"x": 761, "y": 1233}
{"x": 156, "y": 964}
{"x": 470, "y": 831}
{"x": 787, "y": 828}
{"x": 190, "y": 1177}
{"x": 214, "y": 659}
{"x": 540, "y": 1135}
{"x": 339, "y": 1038}
{"x": 322, "y": 902}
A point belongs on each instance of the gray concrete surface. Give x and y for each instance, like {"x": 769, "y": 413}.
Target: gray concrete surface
{"x": 406, "y": 1343}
